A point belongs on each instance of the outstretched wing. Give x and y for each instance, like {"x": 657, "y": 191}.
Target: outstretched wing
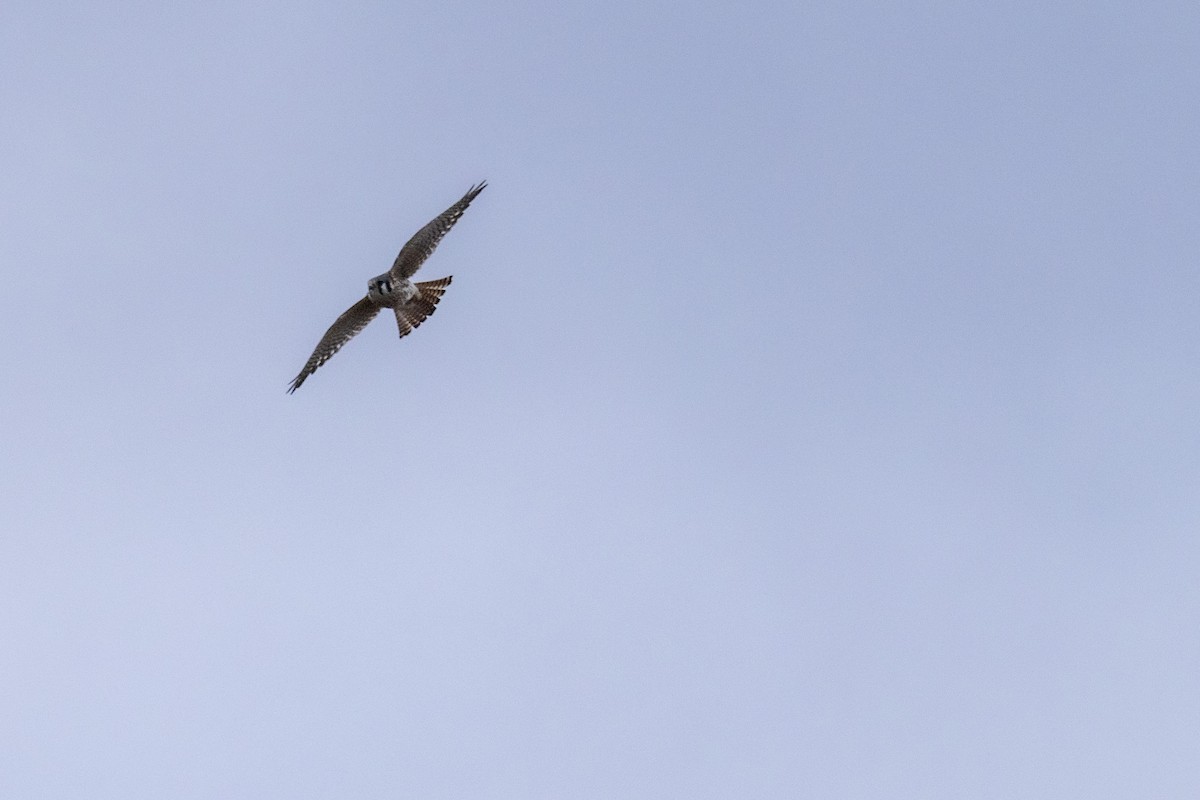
{"x": 421, "y": 245}
{"x": 346, "y": 328}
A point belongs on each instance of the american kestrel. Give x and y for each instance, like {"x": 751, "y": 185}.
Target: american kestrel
{"x": 411, "y": 301}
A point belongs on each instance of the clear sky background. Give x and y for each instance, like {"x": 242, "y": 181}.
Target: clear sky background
{"x": 814, "y": 412}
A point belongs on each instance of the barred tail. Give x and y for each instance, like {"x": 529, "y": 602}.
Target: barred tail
{"x": 410, "y": 315}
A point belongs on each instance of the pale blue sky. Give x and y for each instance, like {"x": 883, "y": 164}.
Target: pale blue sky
{"x": 813, "y": 413}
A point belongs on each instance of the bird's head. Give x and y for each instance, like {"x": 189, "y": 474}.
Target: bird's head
{"x": 380, "y": 288}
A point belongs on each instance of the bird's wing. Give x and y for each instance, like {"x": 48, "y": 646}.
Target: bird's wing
{"x": 422, "y": 244}
{"x": 343, "y": 330}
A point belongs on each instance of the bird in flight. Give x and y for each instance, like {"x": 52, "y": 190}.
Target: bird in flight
{"x": 412, "y": 301}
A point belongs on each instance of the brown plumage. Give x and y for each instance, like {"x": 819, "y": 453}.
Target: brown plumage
{"x": 412, "y": 302}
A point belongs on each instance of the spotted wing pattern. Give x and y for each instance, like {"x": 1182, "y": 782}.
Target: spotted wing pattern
{"x": 343, "y": 330}
{"x": 422, "y": 244}
{"x": 410, "y": 315}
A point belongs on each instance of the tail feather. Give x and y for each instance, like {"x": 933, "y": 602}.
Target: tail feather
{"x": 410, "y": 315}
{"x": 434, "y": 289}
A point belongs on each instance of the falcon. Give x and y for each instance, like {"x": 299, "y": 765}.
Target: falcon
{"x": 412, "y": 301}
